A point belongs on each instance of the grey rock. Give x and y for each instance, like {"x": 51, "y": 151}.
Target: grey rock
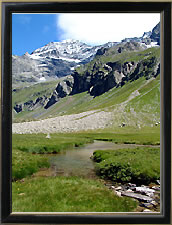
{"x": 144, "y": 190}
{"x": 158, "y": 181}
{"x": 53, "y": 99}
{"x": 147, "y": 205}
{"x": 63, "y": 89}
{"x": 137, "y": 196}
{"x": 150, "y": 194}
{"x": 101, "y": 51}
{"x": 118, "y": 193}
{"x": 147, "y": 210}
{"x": 154, "y": 203}
{"x": 131, "y": 185}
{"x": 155, "y": 36}
{"x": 112, "y": 187}
{"x": 156, "y": 188}
{"x": 29, "y": 103}
{"x": 99, "y": 78}
{"x": 118, "y": 188}
{"x": 107, "y": 67}
{"x": 18, "y": 108}
{"x": 129, "y": 190}
{"x": 123, "y": 124}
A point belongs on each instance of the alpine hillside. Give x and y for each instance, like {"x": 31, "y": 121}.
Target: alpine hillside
{"x": 70, "y": 86}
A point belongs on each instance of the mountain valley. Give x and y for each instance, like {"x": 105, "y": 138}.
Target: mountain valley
{"x": 86, "y": 127}
{"x": 117, "y": 78}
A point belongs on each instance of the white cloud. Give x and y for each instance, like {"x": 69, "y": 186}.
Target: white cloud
{"x": 99, "y": 28}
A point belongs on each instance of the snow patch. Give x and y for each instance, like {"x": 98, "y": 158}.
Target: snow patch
{"x": 70, "y": 60}
{"x": 152, "y": 44}
{"x": 42, "y": 65}
{"x": 42, "y": 79}
{"x": 35, "y": 56}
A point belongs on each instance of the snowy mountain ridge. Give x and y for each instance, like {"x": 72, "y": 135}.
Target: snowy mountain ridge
{"x": 59, "y": 59}
{"x": 69, "y": 50}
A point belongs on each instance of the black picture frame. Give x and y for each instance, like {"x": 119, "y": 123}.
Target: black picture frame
{"x": 6, "y": 116}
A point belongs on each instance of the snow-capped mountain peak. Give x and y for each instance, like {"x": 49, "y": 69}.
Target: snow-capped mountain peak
{"x": 58, "y": 59}
{"x": 69, "y": 50}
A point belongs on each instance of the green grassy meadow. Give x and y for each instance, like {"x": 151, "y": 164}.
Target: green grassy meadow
{"x": 66, "y": 194}
{"x": 58, "y": 194}
{"x": 38, "y": 143}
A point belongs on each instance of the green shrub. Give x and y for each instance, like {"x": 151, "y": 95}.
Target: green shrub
{"x": 140, "y": 165}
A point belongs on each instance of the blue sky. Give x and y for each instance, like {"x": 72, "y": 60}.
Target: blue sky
{"x": 32, "y": 31}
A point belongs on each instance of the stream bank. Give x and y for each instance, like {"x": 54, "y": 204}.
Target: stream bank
{"x": 77, "y": 162}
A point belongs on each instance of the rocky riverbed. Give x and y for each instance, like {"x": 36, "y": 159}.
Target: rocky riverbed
{"x": 147, "y": 196}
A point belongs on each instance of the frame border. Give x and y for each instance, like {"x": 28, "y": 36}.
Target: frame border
{"x": 6, "y": 128}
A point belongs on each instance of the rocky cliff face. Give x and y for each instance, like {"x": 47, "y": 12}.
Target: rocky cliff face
{"x": 63, "y": 89}
{"x": 104, "y": 74}
{"x": 155, "y": 35}
{"x": 100, "y": 81}
{"x": 56, "y": 59}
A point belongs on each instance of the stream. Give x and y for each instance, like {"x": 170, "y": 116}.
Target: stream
{"x": 77, "y": 162}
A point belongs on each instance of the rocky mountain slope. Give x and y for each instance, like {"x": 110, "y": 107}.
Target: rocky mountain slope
{"x": 58, "y": 59}
{"x": 111, "y": 70}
